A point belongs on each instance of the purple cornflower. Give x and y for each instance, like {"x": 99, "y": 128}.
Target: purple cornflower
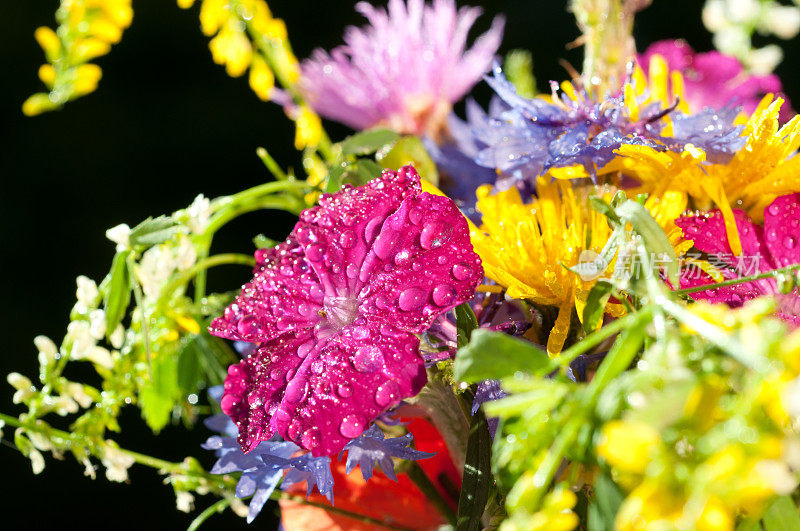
{"x": 523, "y": 138}
{"x": 372, "y": 447}
{"x": 776, "y": 244}
{"x": 336, "y": 308}
{"x": 402, "y": 71}
{"x": 713, "y": 79}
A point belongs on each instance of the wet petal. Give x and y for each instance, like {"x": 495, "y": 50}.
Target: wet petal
{"x": 343, "y": 386}
{"x": 782, "y": 230}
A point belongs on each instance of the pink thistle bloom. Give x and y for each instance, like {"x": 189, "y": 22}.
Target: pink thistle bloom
{"x": 715, "y": 80}
{"x": 402, "y": 71}
{"x": 775, "y": 244}
{"x": 335, "y": 309}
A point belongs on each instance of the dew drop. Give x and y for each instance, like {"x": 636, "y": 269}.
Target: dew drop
{"x": 444, "y": 295}
{"x": 441, "y": 260}
{"x": 344, "y": 391}
{"x": 311, "y": 438}
{"x": 368, "y": 359}
{"x": 415, "y": 215}
{"x": 360, "y": 332}
{"x": 347, "y": 239}
{"x": 249, "y": 326}
{"x": 315, "y": 253}
{"x": 352, "y": 426}
{"x": 317, "y": 366}
{"x": 283, "y": 323}
{"x": 772, "y": 235}
{"x": 402, "y": 257}
{"x": 306, "y": 310}
{"x": 371, "y": 229}
{"x": 275, "y": 374}
{"x": 434, "y": 235}
{"x": 382, "y": 302}
{"x": 385, "y": 244}
{"x": 351, "y": 271}
{"x": 461, "y": 271}
{"x": 386, "y": 394}
{"x": 416, "y": 266}
{"x": 774, "y": 209}
{"x": 412, "y": 299}
{"x": 305, "y": 348}
{"x": 296, "y": 391}
{"x": 789, "y": 242}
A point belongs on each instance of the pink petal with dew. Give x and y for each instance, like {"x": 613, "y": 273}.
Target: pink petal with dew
{"x": 421, "y": 265}
{"x": 707, "y": 231}
{"x": 255, "y": 386}
{"x": 734, "y": 296}
{"x": 342, "y": 386}
{"x": 338, "y": 234}
{"x": 284, "y": 294}
{"x": 782, "y": 230}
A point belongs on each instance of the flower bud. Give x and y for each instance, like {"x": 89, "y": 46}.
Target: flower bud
{"x": 87, "y": 292}
{"x": 37, "y": 104}
{"x": 86, "y": 78}
{"x": 48, "y": 352}
{"x": 49, "y": 42}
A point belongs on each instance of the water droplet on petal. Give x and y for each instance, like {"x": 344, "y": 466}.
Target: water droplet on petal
{"x": 315, "y": 253}
{"x": 441, "y": 260}
{"x": 305, "y": 348}
{"x": 789, "y": 242}
{"x": 434, "y": 235}
{"x": 371, "y": 229}
{"x": 415, "y": 215}
{"x": 360, "y": 332}
{"x": 352, "y": 426}
{"x": 772, "y": 235}
{"x": 296, "y": 391}
{"x": 275, "y": 374}
{"x": 412, "y": 299}
{"x": 344, "y": 391}
{"x": 386, "y": 243}
{"x": 368, "y": 359}
{"x": 386, "y": 393}
{"x": 444, "y": 295}
{"x": 382, "y": 302}
{"x": 249, "y": 326}
{"x": 310, "y": 438}
{"x": 774, "y": 209}
{"x": 317, "y": 366}
{"x": 351, "y": 271}
{"x": 461, "y": 271}
{"x": 347, "y": 239}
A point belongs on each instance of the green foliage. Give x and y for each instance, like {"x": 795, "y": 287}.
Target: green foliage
{"x": 153, "y": 231}
{"x": 368, "y": 142}
{"x": 410, "y": 150}
{"x": 494, "y": 355}
{"x": 477, "y": 479}
{"x": 518, "y": 68}
{"x": 116, "y": 289}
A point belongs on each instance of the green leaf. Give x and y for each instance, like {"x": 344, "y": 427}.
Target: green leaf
{"x": 600, "y": 205}
{"x": 603, "y": 509}
{"x": 153, "y": 231}
{"x": 202, "y": 359}
{"x": 465, "y": 323}
{"x": 368, "y": 142}
{"x": 159, "y": 396}
{"x": 749, "y": 525}
{"x": 189, "y": 371}
{"x": 494, "y": 355}
{"x": 410, "y": 150}
{"x": 518, "y": 68}
{"x": 655, "y": 239}
{"x": 367, "y": 170}
{"x": 782, "y": 515}
{"x": 477, "y": 479}
{"x": 334, "y": 180}
{"x": 117, "y": 291}
{"x": 595, "y": 305}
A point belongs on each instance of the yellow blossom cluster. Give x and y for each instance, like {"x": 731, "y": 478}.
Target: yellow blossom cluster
{"x": 87, "y": 29}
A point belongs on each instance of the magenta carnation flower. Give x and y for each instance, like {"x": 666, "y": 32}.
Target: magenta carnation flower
{"x": 715, "y": 80}
{"x": 776, "y": 244}
{"x": 335, "y": 310}
{"x": 402, "y": 71}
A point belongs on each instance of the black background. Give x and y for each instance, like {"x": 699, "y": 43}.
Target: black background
{"x": 165, "y": 125}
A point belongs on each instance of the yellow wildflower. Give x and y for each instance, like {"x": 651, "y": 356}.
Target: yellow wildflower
{"x": 628, "y": 446}
{"x": 527, "y": 247}
{"x": 309, "y": 128}
{"x": 556, "y": 512}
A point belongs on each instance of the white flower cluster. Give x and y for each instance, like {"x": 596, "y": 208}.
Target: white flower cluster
{"x": 733, "y": 23}
{"x": 160, "y": 261}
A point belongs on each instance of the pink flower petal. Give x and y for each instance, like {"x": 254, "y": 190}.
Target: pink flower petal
{"x": 421, "y": 265}
{"x": 258, "y": 314}
{"x": 707, "y": 231}
{"x": 344, "y": 385}
{"x": 782, "y": 230}
{"x": 734, "y": 296}
{"x": 254, "y": 387}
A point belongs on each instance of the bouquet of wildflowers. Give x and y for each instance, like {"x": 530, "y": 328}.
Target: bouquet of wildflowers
{"x": 567, "y": 310}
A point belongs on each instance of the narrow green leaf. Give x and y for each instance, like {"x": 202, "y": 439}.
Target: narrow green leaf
{"x": 262, "y": 242}
{"x": 477, "y": 479}
{"x": 334, "y": 180}
{"x": 410, "y": 150}
{"x": 153, "y": 231}
{"x": 117, "y": 291}
{"x": 494, "y": 355}
{"x": 159, "y": 396}
{"x": 595, "y": 305}
{"x": 655, "y": 239}
{"x": 782, "y": 515}
{"x": 465, "y": 323}
{"x": 606, "y": 503}
{"x": 367, "y": 170}
{"x": 189, "y": 369}
{"x": 368, "y": 142}
{"x": 518, "y": 68}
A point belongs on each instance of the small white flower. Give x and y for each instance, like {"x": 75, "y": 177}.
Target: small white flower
{"x": 97, "y": 324}
{"x": 762, "y": 61}
{"x": 117, "y": 337}
{"x": 155, "y": 268}
{"x": 117, "y": 464}
{"x": 732, "y": 40}
{"x": 120, "y": 235}
{"x": 184, "y": 501}
{"x": 783, "y": 21}
{"x": 185, "y": 254}
{"x": 19, "y": 381}
{"x": 89, "y": 469}
{"x": 777, "y": 475}
{"x": 39, "y": 441}
{"x": 87, "y": 292}
{"x": 199, "y": 213}
{"x": 77, "y": 392}
{"x": 64, "y": 405}
{"x": 82, "y": 340}
{"x": 48, "y": 352}
{"x": 743, "y": 11}
{"x": 101, "y": 356}
{"x": 37, "y": 461}
{"x": 714, "y": 17}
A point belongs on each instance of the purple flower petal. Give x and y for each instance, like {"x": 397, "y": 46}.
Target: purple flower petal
{"x": 372, "y": 447}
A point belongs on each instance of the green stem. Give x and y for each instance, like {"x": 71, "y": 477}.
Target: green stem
{"x": 429, "y": 490}
{"x": 215, "y": 508}
{"x": 769, "y": 274}
{"x": 184, "y": 276}
{"x": 137, "y": 294}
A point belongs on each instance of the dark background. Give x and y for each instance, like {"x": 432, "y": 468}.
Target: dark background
{"x": 165, "y": 125}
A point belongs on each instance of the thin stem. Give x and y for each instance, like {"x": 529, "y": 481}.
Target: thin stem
{"x": 137, "y": 294}
{"x": 184, "y": 276}
{"x": 733, "y": 282}
{"x": 215, "y": 508}
{"x": 426, "y": 487}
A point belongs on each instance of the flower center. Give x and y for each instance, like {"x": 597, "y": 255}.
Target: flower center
{"x": 339, "y": 312}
